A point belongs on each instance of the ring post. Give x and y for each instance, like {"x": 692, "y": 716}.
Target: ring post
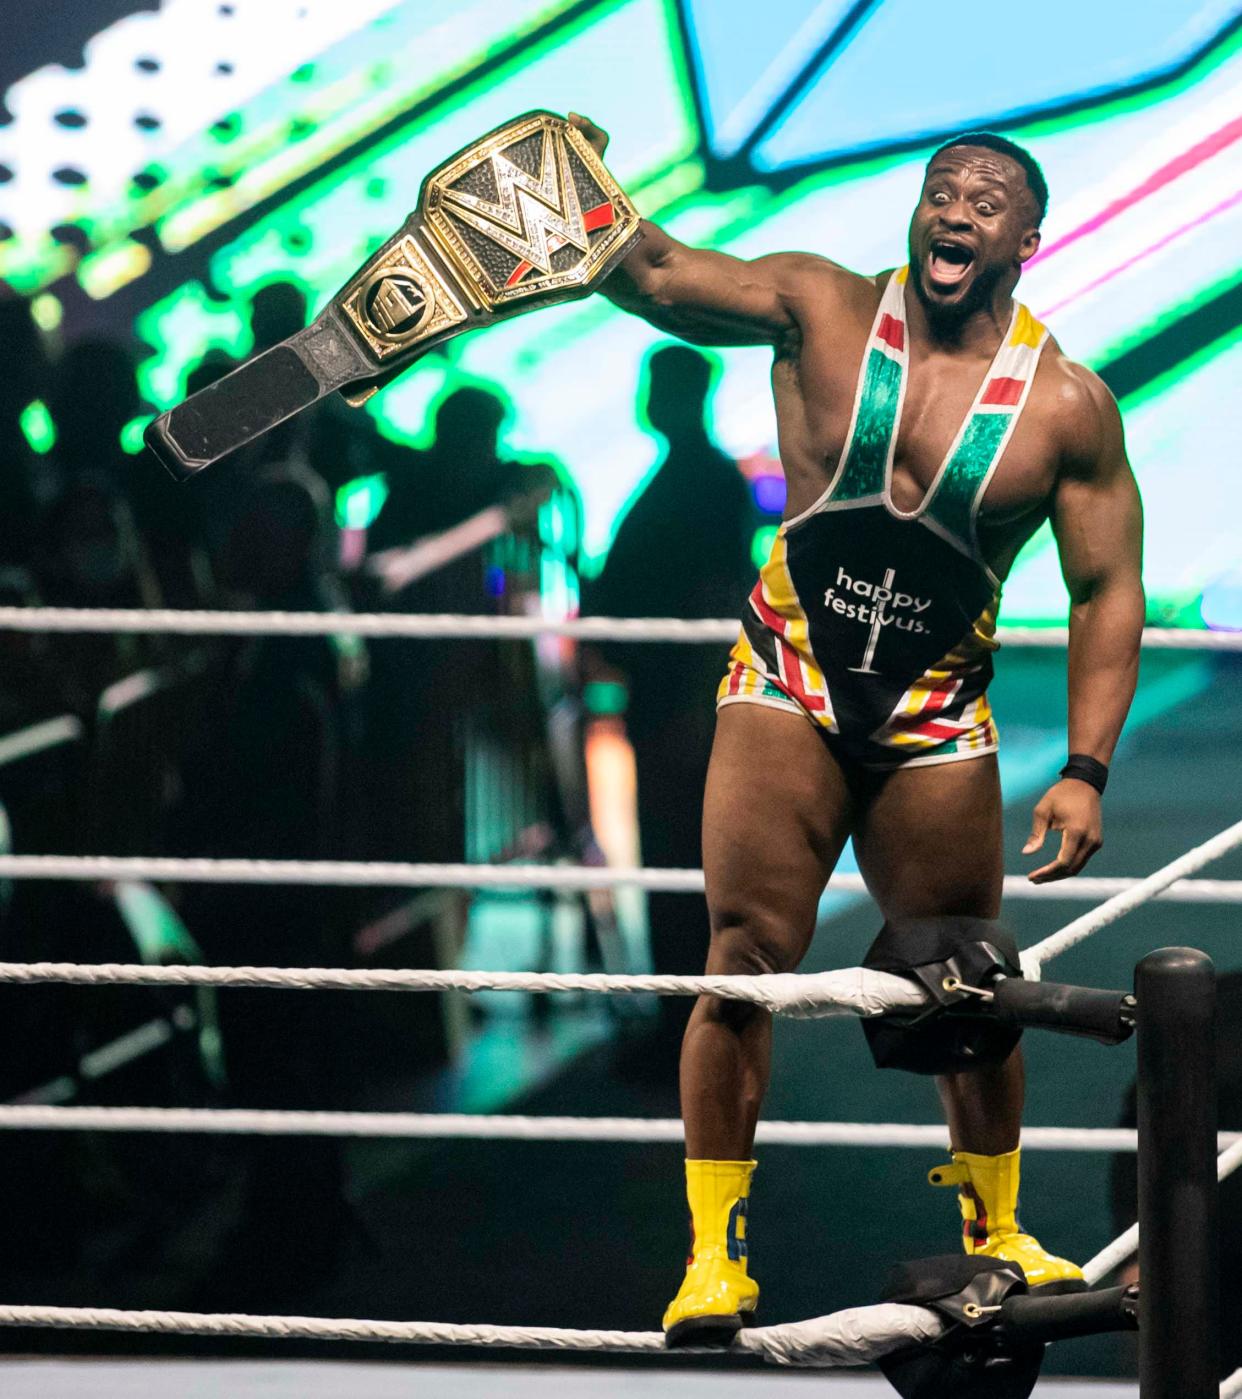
{"x": 1179, "y": 1338}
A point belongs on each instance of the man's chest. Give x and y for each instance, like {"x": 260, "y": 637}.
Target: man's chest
{"x": 929, "y": 412}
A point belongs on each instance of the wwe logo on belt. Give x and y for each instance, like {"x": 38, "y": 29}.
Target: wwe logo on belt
{"x": 528, "y": 214}
{"x": 531, "y": 217}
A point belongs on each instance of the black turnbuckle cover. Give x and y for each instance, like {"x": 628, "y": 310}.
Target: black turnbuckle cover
{"x": 972, "y": 1360}
{"x": 944, "y": 955}
{"x": 993, "y": 1345}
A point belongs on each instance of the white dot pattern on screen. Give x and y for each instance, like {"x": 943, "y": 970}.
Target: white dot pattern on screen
{"x": 211, "y": 59}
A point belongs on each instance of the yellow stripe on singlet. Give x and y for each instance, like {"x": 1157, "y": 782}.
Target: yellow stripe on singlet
{"x": 782, "y": 597}
{"x": 1026, "y": 329}
{"x": 752, "y": 679}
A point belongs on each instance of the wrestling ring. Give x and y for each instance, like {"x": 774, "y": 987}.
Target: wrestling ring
{"x": 855, "y": 1337}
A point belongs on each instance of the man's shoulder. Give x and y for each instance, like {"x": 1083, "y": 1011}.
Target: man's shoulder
{"x": 1077, "y": 388}
{"x": 1081, "y": 404}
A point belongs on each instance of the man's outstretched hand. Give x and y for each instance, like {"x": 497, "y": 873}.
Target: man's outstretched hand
{"x": 596, "y": 136}
{"x": 1073, "y": 808}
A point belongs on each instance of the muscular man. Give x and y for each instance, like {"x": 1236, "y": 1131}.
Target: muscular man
{"x": 928, "y": 424}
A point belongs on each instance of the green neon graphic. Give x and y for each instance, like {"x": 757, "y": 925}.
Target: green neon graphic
{"x": 551, "y": 365}
{"x": 1168, "y": 317}
{"x": 131, "y": 434}
{"x": 38, "y": 427}
{"x": 1176, "y": 373}
{"x": 358, "y": 502}
{"x": 182, "y": 328}
{"x": 47, "y": 312}
{"x": 249, "y": 154}
{"x": 761, "y": 544}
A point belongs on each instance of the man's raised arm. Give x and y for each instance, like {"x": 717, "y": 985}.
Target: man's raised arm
{"x": 1098, "y": 523}
{"x": 705, "y": 297}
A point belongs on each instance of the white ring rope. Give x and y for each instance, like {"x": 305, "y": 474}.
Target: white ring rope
{"x": 1121, "y": 904}
{"x": 455, "y": 1126}
{"x": 163, "y": 621}
{"x": 1125, "y": 1245}
{"x": 856, "y": 1336}
{"x": 572, "y": 878}
{"x": 1232, "y": 1387}
{"x": 846, "y": 991}
{"x": 853, "y": 1337}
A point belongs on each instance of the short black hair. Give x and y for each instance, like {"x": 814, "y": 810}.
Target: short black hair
{"x": 1035, "y": 180}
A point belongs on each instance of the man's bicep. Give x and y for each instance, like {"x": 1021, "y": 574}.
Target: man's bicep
{"x": 1097, "y": 514}
{"x": 709, "y": 297}
{"x": 729, "y": 296}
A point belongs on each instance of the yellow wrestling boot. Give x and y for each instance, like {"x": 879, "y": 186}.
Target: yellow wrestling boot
{"x": 988, "y": 1196}
{"x": 717, "y": 1298}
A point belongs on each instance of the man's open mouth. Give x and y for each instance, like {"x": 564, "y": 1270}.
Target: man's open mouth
{"x": 948, "y": 263}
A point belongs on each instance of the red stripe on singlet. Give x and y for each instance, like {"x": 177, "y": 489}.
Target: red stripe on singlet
{"x": 767, "y": 615}
{"x": 793, "y": 666}
{"x": 926, "y": 722}
{"x": 891, "y": 331}
{"x": 937, "y": 728}
{"x": 1003, "y": 391}
{"x": 793, "y": 680}
{"x": 940, "y": 697}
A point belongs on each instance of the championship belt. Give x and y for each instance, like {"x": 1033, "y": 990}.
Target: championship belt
{"x": 525, "y": 217}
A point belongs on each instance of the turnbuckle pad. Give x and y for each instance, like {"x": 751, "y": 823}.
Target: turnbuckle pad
{"x": 972, "y": 1360}
{"x": 978, "y": 1000}
{"x": 951, "y": 958}
{"x": 993, "y": 1347}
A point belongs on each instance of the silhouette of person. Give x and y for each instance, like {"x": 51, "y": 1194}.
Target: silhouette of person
{"x": 31, "y": 684}
{"x": 427, "y": 692}
{"x": 24, "y": 381}
{"x": 90, "y": 554}
{"x": 682, "y": 550}
{"x": 94, "y": 393}
{"x": 211, "y": 501}
{"x": 461, "y": 473}
{"x": 267, "y": 770}
{"x": 277, "y": 311}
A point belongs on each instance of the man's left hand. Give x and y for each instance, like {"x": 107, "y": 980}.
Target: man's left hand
{"x": 1073, "y": 808}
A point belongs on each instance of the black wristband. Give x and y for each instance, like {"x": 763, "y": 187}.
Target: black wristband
{"x": 1087, "y": 769}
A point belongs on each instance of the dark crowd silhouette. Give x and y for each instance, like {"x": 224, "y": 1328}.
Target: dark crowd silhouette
{"x": 682, "y": 549}
{"x": 295, "y": 747}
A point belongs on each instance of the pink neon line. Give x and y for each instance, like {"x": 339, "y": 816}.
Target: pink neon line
{"x": 1168, "y": 238}
{"x": 1179, "y": 165}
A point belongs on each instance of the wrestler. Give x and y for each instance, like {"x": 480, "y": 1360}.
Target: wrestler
{"x": 928, "y": 424}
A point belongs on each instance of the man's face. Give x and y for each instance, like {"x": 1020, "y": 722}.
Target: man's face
{"x": 974, "y": 223}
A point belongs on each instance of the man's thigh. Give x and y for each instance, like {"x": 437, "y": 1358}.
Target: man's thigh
{"x": 928, "y": 840}
{"x": 776, "y": 813}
